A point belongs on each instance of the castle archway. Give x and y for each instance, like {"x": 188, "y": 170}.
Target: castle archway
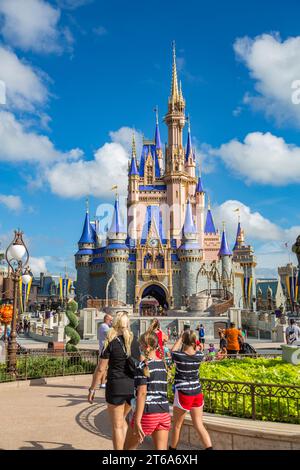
{"x": 154, "y": 299}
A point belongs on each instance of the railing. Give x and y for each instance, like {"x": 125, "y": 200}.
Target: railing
{"x": 50, "y": 364}
{"x": 267, "y": 402}
{"x": 225, "y": 300}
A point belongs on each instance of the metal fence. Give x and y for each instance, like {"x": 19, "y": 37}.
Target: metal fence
{"x": 267, "y": 402}
{"x": 50, "y": 364}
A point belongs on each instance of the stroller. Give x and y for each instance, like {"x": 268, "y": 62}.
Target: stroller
{"x": 246, "y": 348}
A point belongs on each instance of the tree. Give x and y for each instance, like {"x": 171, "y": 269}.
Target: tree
{"x": 70, "y": 329}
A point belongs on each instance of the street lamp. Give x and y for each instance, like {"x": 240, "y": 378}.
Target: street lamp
{"x": 17, "y": 257}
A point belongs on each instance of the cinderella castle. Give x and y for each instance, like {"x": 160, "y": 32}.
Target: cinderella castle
{"x": 169, "y": 249}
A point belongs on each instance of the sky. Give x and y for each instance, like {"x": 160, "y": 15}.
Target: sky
{"x": 77, "y": 76}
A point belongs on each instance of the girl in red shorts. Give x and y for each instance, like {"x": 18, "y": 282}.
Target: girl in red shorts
{"x": 151, "y": 416}
{"x": 188, "y": 395}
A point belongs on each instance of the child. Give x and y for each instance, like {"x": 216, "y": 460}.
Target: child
{"x": 188, "y": 395}
{"x": 221, "y": 354}
{"x": 151, "y": 417}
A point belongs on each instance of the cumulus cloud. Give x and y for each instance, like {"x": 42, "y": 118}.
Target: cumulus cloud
{"x": 32, "y": 25}
{"x": 269, "y": 239}
{"x": 25, "y": 86}
{"x": 262, "y": 158}
{"x": 274, "y": 65}
{"x": 37, "y": 265}
{"x": 13, "y": 203}
{"x": 95, "y": 177}
{"x": 73, "y": 4}
{"x": 19, "y": 144}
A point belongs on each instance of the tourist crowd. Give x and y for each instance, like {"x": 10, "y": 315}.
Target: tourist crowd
{"x": 134, "y": 373}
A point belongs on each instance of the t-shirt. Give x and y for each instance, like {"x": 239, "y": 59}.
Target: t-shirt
{"x": 103, "y": 330}
{"x": 157, "y": 393}
{"x": 119, "y": 381}
{"x": 232, "y": 335}
{"x": 187, "y": 372}
{"x": 292, "y": 333}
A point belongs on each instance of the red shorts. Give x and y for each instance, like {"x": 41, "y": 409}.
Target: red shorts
{"x": 186, "y": 402}
{"x": 154, "y": 422}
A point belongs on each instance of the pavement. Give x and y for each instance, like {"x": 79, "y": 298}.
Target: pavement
{"x": 56, "y": 416}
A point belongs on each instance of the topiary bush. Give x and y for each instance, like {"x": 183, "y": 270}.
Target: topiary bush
{"x": 70, "y": 329}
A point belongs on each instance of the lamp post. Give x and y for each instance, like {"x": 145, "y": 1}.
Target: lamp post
{"x": 17, "y": 257}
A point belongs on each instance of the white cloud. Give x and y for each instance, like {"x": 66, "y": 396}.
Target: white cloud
{"x": 19, "y": 144}
{"x": 97, "y": 176}
{"x": 274, "y": 65}
{"x": 267, "y": 238}
{"x": 13, "y": 203}
{"x": 31, "y": 25}
{"x": 100, "y": 31}
{"x": 37, "y": 265}
{"x": 262, "y": 158}
{"x": 25, "y": 87}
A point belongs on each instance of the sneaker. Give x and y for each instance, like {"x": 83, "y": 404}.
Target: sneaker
{"x": 102, "y": 386}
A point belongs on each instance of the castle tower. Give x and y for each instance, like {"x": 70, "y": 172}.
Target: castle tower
{"x": 158, "y": 145}
{"x": 190, "y": 159}
{"x": 244, "y": 255}
{"x": 199, "y": 210}
{"x": 83, "y": 258}
{"x": 116, "y": 257}
{"x": 133, "y": 193}
{"x": 225, "y": 256}
{"x": 189, "y": 254}
{"x": 211, "y": 238}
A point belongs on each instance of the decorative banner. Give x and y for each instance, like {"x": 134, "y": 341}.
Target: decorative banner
{"x": 297, "y": 286}
{"x": 64, "y": 287}
{"x": 247, "y": 286}
{"x": 24, "y": 290}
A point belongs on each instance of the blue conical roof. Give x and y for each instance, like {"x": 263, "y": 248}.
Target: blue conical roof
{"x": 199, "y": 187}
{"x": 133, "y": 167}
{"x": 88, "y": 231}
{"x": 117, "y": 225}
{"x": 209, "y": 225}
{"x": 238, "y": 233}
{"x": 157, "y": 137}
{"x": 224, "y": 249}
{"x": 188, "y": 145}
{"x": 189, "y": 226}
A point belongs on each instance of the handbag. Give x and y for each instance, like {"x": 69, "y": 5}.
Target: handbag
{"x": 131, "y": 363}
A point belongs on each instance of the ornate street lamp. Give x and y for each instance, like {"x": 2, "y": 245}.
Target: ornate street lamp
{"x": 17, "y": 257}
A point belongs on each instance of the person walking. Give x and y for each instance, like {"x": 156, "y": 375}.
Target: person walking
{"x": 234, "y": 338}
{"x": 202, "y": 334}
{"x": 292, "y": 333}
{"x": 119, "y": 345}
{"x": 102, "y": 333}
{"x": 188, "y": 394}
{"x": 151, "y": 416}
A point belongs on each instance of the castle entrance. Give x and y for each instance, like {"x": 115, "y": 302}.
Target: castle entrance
{"x": 154, "y": 301}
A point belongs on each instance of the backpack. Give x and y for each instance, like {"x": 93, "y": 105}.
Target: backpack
{"x": 201, "y": 332}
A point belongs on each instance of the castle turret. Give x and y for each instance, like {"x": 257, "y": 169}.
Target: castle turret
{"x": 158, "y": 145}
{"x": 190, "y": 255}
{"x": 225, "y": 256}
{"x": 116, "y": 257}
{"x": 211, "y": 238}
{"x": 190, "y": 159}
{"x": 199, "y": 207}
{"x": 83, "y": 258}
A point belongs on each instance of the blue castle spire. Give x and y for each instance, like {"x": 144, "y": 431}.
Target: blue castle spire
{"x": 157, "y": 133}
{"x": 199, "y": 187}
{"x": 224, "y": 249}
{"x": 238, "y": 234}
{"x": 133, "y": 170}
{"x": 189, "y": 148}
{"x": 189, "y": 226}
{"x": 87, "y": 235}
{"x": 117, "y": 225}
{"x": 209, "y": 224}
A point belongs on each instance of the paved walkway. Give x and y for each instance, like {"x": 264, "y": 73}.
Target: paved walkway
{"x": 54, "y": 416}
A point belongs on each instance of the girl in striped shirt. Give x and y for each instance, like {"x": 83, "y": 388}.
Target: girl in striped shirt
{"x": 188, "y": 394}
{"x": 151, "y": 417}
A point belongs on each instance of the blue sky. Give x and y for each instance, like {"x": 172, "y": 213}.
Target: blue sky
{"x": 81, "y": 74}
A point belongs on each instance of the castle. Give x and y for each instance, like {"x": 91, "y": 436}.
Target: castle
{"x": 169, "y": 249}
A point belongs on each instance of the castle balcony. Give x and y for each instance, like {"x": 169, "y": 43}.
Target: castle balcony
{"x": 150, "y": 274}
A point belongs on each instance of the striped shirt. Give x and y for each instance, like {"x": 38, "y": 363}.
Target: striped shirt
{"x": 157, "y": 399}
{"x": 187, "y": 372}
